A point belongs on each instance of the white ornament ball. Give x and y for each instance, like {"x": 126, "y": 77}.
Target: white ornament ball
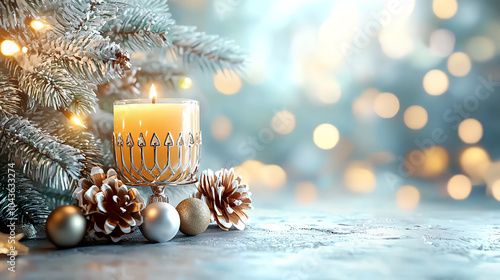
{"x": 161, "y": 222}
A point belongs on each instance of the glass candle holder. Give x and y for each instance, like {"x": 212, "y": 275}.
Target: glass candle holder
{"x": 157, "y": 143}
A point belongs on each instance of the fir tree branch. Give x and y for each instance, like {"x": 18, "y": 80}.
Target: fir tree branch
{"x": 12, "y": 99}
{"x": 29, "y": 205}
{"x": 41, "y": 157}
{"x": 209, "y": 52}
{"x": 55, "y": 87}
{"x": 86, "y": 55}
{"x": 53, "y": 123}
{"x": 139, "y": 28}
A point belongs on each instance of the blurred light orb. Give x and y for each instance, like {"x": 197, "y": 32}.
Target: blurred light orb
{"x": 428, "y": 163}
{"x": 250, "y": 170}
{"x": 221, "y": 128}
{"x": 459, "y": 187}
{"x": 475, "y": 162}
{"x": 185, "y": 82}
{"x": 386, "y": 105}
{"x": 283, "y": 122}
{"x": 9, "y": 47}
{"x": 459, "y": 64}
{"x": 37, "y": 24}
{"x": 273, "y": 176}
{"x": 306, "y": 193}
{"x": 326, "y": 136}
{"x": 396, "y": 41}
{"x": 328, "y": 92}
{"x": 407, "y": 197}
{"x": 362, "y": 107}
{"x": 495, "y": 190}
{"x": 415, "y": 117}
{"x": 436, "y": 161}
{"x": 227, "y": 82}
{"x": 444, "y": 9}
{"x": 480, "y": 48}
{"x": 442, "y": 42}
{"x": 470, "y": 131}
{"x": 436, "y": 82}
{"x": 359, "y": 177}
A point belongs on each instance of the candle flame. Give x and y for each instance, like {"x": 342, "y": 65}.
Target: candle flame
{"x": 152, "y": 92}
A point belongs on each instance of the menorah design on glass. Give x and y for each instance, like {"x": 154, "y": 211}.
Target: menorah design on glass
{"x": 154, "y": 150}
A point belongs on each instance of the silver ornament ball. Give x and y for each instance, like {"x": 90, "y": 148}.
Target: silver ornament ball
{"x": 66, "y": 226}
{"x": 161, "y": 222}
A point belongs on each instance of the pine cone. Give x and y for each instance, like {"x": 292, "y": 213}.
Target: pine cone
{"x": 226, "y": 198}
{"x": 114, "y": 211}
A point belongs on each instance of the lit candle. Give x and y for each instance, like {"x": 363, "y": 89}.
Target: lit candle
{"x": 156, "y": 140}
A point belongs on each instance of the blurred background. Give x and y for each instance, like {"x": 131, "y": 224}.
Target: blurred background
{"x": 361, "y": 103}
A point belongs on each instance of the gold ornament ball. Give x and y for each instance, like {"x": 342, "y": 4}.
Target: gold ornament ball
{"x": 185, "y": 82}
{"x": 195, "y": 216}
{"x": 66, "y": 226}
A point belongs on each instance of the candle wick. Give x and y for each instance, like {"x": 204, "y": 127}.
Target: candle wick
{"x": 154, "y": 100}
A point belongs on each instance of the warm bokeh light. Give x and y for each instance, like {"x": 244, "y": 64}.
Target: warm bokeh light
{"x": 221, "y": 128}
{"x": 444, "y": 9}
{"x": 152, "y": 92}
{"x": 328, "y": 92}
{"x": 396, "y": 41}
{"x": 185, "y": 82}
{"x": 470, "y": 131}
{"x": 407, "y": 197}
{"x": 338, "y": 29}
{"x": 326, "y": 136}
{"x": 442, "y": 42}
{"x": 475, "y": 162}
{"x": 283, "y": 122}
{"x": 362, "y": 107}
{"x": 428, "y": 163}
{"x": 480, "y": 48}
{"x": 227, "y": 82}
{"x": 459, "y": 187}
{"x": 495, "y": 190}
{"x": 37, "y": 24}
{"x": 359, "y": 177}
{"x": 415, "y": 117}
{"x": 250, "y": 170}
{"x": 459, "y": 64}
{"x": 436, "y": 82}
{"x": 436, "y": 161}
{"x": 306, "y": 193}
{"x": 273, "y": 176}
{"x": 9, "y": 48}
{"x": 386, "y": 105}
{"x": 76, "y": 120}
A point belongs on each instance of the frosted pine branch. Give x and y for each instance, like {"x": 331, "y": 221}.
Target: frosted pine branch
{"x": 41, "y": 157}
{"x": 139, "y": 28}
{"x": 86, "y": 55}
{"x": 208, "y": 52}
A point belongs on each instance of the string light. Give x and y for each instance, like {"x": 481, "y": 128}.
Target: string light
{"x": 38, "y": 24}
{"x": 76, "y": 120}
{"x": 185, "y": 82}
{"x": 9, "y": 48}
{"x": 407, "y": 197}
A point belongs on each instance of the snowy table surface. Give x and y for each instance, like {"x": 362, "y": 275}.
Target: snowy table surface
{"x": 291, "y": 245}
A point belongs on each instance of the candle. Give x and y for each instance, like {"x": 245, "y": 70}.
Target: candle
{"x": 157, "y": 140}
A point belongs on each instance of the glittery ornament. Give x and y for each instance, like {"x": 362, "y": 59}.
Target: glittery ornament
{"x": 195, "y": 216}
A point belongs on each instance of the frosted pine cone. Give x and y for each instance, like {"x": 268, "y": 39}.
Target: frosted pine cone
{"x": 114, "y": 211}
{"x": 226, "y": 197}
